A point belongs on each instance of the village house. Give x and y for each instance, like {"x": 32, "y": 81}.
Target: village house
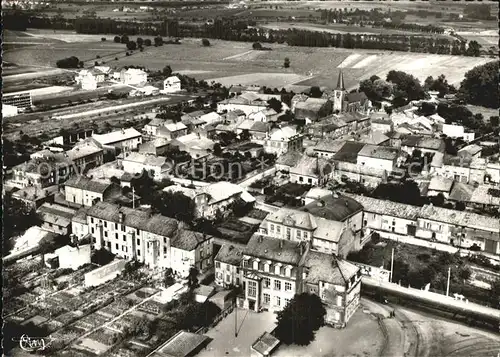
{"x": 156, "y": 241}
{"x": 457, "y": 228}
{"x": 324, "y": 235}
{"x": 56, "y": 218}
{"x": 156, "y": 147}
{"x": 193, "y": 120}
{"x": 327, "y": 148}
{"x": 286, "y": 161}
{"x": 338, "y": 284}
{"x": 282, "y": 140}
{"x": 422, "y": 143}
{"x": 312, "y": 109}
{"x": 311, "y": 171}
{"x": 124, "y": 140}
{"x": 473, "y": 151}
{"x": 440, "y": 185}
{"x": 381, "y": 125}
{"x": 228, "y": 266}
{"x": 194, "y": 144}
{"x": 461, "y": 168}
{"x": 330, "y": 127}
{"x": 133, "y": 76}
{"x": 35, "y": 196}
{"x": 259, "y": 131}
{"x": 492, "y": 172}
{"x": 89, "y": 78}
{"x": 475, "y": 196}
{"x": 378, "y": 157}
{"x": 367, "y": 176}
{"x": 172, "y": 84}
{"x": 272, "y": 272}
{"x": 456, "y": 131}
{"x": 151, "y": 128}
{"x": 85, "y": 191}
{"x": 136, "y": 163}
{"x": 171, "y": 130}
{"x": 264, "y": 115}
{"x": 248, "y": 102}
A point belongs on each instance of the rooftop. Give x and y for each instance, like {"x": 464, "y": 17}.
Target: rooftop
{"x": 385, "y": 207}
{"x": 379, "y": 152}
{"x": 189, "y": 192}
{"x": 329, "y": 145}
{"x": 188, "y": 240}
{"x": 312, "y": 166}
{"x": 32, "y": 193}
{"x": 471, "y": 150}
{"x": 229, "y": 254}
{"x": 278, "y": 250}
{"x": 88, "y": 184}
{"x": 144, "y": 159}
{"x": 327, "y": 268}
{"x": 220, "y": 191}
{"x": 293, "y": 217}
{"x": 135, "y": 218}
{"x": 349, "y": 152}
{"x": 421, "y": 141}
{"x": 182, "y": 344}
{"x": 175, "y": 126}
{"x": 314, "y": 104}
{"x": 364, "y": 170}
{"x": 117, "y": 136}
{"x": 334, "y": 207}
{"x": 284, "y": 133}
{"x": 460, "y": 218}
{"x": 291, "y": 158}
{"x": 265, "y": 344}
{"x": 439, "y": 183}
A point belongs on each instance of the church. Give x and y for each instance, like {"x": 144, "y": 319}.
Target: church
{"x": 344, "y": 102}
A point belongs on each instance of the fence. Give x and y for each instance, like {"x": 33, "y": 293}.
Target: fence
{"x": 217, "y": 319}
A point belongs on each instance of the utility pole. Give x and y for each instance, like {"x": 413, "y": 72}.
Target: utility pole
{"x": 236, "y": 316}
{"x": 392, "y": 265}
{"x": 133, "y": 197}
{"x": 448, "y": 283}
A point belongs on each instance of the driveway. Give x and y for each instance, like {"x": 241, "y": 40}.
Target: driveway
{"x": 250, "y": 325}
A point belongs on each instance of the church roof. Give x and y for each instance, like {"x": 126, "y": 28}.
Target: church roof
{"x": 340, "y": 81}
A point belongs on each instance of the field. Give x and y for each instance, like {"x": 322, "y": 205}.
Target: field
{"x": 236, "y": 63}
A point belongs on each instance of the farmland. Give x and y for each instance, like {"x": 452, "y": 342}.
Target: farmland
{"x": 236, "y": 62}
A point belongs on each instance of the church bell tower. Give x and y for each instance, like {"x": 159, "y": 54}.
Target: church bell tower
{"x": 339, "y": 93}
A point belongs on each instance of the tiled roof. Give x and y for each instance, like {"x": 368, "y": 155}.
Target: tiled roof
{"x": 181, "y": 344}
{"x": 327, "y": 268}
{"x": 421, "y": 141}
{"x": 389, "y": 208}
{"x": 291, "y": 158}
{"x": 189, "y": 192}
{"x": 379, "y": 152}
{"x": 87, "y": 184}
{"x": 328, "y": 230}
{"x": 312, "y": 166}
{"x": 293, "y": 218}
{"x": 278, "y": 250}
{"x": 349, "y": 152}
{"x": 229, "y": 254}
{"x": 117, "y": 136}
{"x": 439, "y": 183}
{"x": 220, "y": 191}
{"x": 32, "y": 193}
{"x": 343, "y": 166}
{"x": 188, "y": 240}
{"x": 260, "y": 127}
{"x": 335, "y": 207}
{"x": 284, "y": 133}
{"x": 265, "y": 344}
{"x": 329, "y": 145}
{"x": 150, "y": 160}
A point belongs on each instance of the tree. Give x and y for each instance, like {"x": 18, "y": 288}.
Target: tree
{"x": 315, "y": 92}
{"x": 300, "y": 319}
{"x": 217, "y": 149}
{"x": 139, "y": 41}
{"x": 257, "y": 46}
{"x": 460, "y": 206}
{"x": 117, "y": 39}
{"x": 245, "y": 135}
{"x": 286, "y": 63}
{"x": 494, "y": 121}
{"x": 193, "y": 278}
{"x": 124, "y": 39}
{"x": 158, "y": 41}
{"x": 480, "y": 86}
{"x": 495, "y": 289}
{"x": 69, "y": 62}
{"x": 167, "y": 71}
{"x": 205, "y": 42}
{"x": 175, "y": 205}
{"x": 474, "y": 49}
{"x": 131, "y": 45}
{"x": 147, "y": 42}
{"x": 275, "y": 104}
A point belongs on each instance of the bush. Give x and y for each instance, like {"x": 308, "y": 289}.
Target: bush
{"x": 103, "y": 39}
{"x": 257, "y": 46}
{"x": 286, "y": 63}
{"x": 69, "y": 62}
{"x": 147, "y": 42}
{"x": 131, "y": 45}
{"x": 205, "y": 42}
{"x": 117, "y": 39}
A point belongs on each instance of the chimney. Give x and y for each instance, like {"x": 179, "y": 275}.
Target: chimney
{"x": 281, "y": 244}
{"x": 260, "y": 239}
{"x": 301, "y": 246}
{"x": 121, "y": 217}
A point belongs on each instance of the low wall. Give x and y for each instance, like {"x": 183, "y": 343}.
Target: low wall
{"x": 105, "y": 273}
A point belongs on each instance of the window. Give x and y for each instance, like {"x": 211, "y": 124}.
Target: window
{"x": 267, "y": 298}
{"x": 92, "y": 230}
{"x": 277, "y": 269}
{"x": 91, "y": 219}
{"x": 106, "y": 234}
{"x": 252, "y": 289}
{"x": 138, "y": 241}
{"x": 138, "y": 252}
{"x": 137, "y": 231}
{"x": 227, "y": 267}
{"x": 288, "y": 233}
{"x": 124, "y": 238}
{"x": 271, "y": 227}
{"x": 339, "y": 300}
{"x": 165, "y": 240}
{"x": 309, "y": 180}
{"x": 278, "y": 229}
{"x": 117, "y": 246}
{"x": 108, "y": 244}
{"x": 278, "y": 301}
{"x": 288, "y": 286}
{"x": 256, "y": 265}
{"x": 306, "y": 235}
{"x": 266, "y": 267}
{"x": 298, "y": 234}
{"x": 267, "y": 282}
{"x": 164, "y": 250}
{"x": 287, "y": 301}
{"x": 301, "y": 178}
{"x": 277, "y": 284}
{"x": 116, "y": 226}
{"x": 245, "y": 264}
{"x": 123, "y": 228}
{"x": 116, "y": 235}
{"x": 105, "y": 224}
{"x": 217, "y": 264}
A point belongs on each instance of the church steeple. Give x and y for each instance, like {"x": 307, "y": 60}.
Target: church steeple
{"x": 340, "y": 81}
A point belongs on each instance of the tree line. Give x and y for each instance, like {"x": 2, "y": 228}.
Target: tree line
{"x": 236, "y": 30}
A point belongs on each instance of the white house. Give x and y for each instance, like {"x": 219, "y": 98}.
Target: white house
{"x": 133, "y": 76}
{"x": 172, "y": 84}
{"x": 88, "y": 79}
{"x": 135, "y": 163}
{"x": 378, "y": 157}
{"x": 9, "y": 110}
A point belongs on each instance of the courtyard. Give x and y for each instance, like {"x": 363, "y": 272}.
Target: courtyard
{"x": 250, "y": 326}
